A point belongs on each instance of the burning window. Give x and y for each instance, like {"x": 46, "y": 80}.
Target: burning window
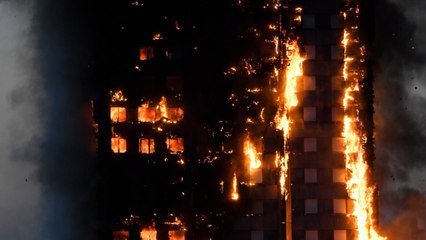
{"x": 152, "y": 114}
{"x": 175, "y": 114}
{"x": 176, "y": 235}
{"x": 118, "y": 114}
{"x": 118, "y": 144}
{"x": 120, "y": 235}
{"x": 146, "y": 113}
{"x": 256, "y": 176}
{"x": 146, "y": 145}
{"x": 148, "y": 234}
{"x": 175, "y": 145}
{"x": 146, "y": 53}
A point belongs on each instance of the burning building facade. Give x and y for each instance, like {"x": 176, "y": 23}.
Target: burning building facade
{"x": 271, "y": 148}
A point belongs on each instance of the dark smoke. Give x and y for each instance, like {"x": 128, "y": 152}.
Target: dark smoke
{"x": 60, "y": 89}
{"x": 47, "y": 172}
{"x": 400, "y": 88}
{"x": 64, "y": 42}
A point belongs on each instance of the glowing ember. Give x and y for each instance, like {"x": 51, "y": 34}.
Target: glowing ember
{"x": 234, "y": 195}
{"x": 356, "y": 166}
{"x": 146, "y": 113}
{"x": 118, "y": 96}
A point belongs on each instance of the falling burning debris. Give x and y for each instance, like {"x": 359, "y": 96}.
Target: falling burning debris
{"x": 357, "y": 169}
{"x": 234, "y": 194}
{"x": 288, "y": 100}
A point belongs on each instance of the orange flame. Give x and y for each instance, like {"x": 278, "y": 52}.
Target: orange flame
{"x": 356, "y": 166}
{"x": 146, "y": 145}
{"x": 118, "y": 144}
{"x": 148, "y": 234}
{"x": 153, "y": 114}
{"x": 162, "y": 106}
{"x": 251, "y": 153}
{"x": 289, "y": 100}
{"x": 175, "y": 145}
{"x": 176, "y": 235}
{"x": 118, "y": 96}
{"x": 118, "y": 114}
{"x": 282, "y": 164}
{"x": 234, "y": 195}
{"x": 293, "y": 71}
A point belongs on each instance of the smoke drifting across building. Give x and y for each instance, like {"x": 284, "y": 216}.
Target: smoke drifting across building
{"x": 234, "y": 120}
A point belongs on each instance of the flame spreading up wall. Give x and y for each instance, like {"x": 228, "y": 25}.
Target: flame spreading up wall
{"x": 288, "y": 100}
{"x": 357, "y": 170}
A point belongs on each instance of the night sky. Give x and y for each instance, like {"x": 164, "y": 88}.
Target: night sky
{"x": 47, "y": 66}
